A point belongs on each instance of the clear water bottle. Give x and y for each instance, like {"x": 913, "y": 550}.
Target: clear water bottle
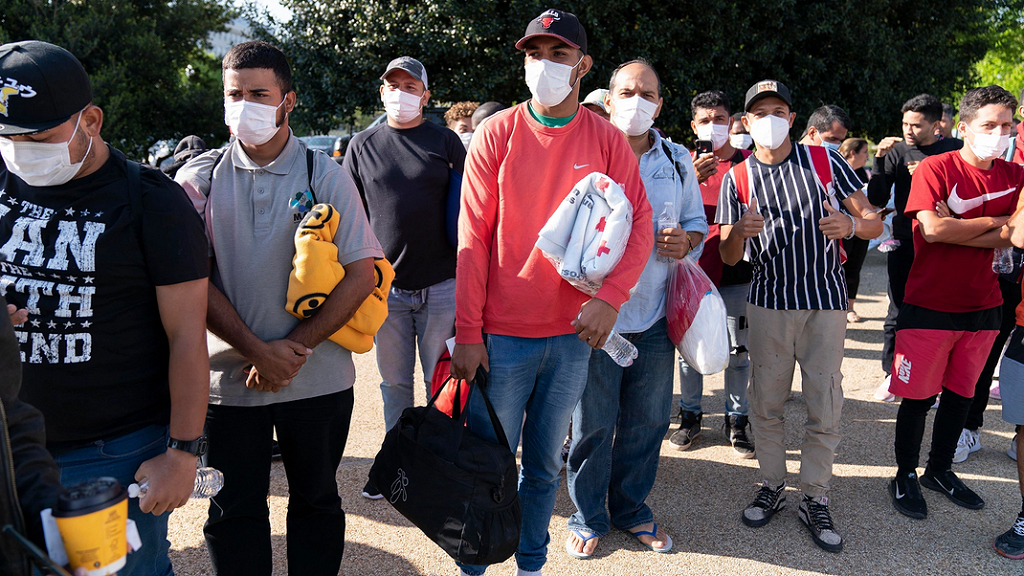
{"x": 621, "y": 350}
{"x": 667, "y": 219}
{"x": 1002, "y": 261}
{"x": 209, "y": 481}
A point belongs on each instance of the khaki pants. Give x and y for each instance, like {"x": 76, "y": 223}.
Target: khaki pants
{"x": 777, "y": 340}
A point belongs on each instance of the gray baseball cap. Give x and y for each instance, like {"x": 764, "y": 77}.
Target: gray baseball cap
{"x": 411, "y": 65}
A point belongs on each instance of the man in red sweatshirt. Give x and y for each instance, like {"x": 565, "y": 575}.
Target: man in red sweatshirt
{"x": 515, "y": 316}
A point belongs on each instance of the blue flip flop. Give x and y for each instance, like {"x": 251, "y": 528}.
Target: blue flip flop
{"x": 652, "y": 534}
{"x": 571, "y": 550}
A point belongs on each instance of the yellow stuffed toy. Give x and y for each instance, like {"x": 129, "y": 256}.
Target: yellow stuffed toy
{"x": 316, "y": 271}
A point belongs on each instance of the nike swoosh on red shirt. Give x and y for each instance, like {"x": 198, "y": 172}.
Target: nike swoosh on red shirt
{"x": 961, "y": 206}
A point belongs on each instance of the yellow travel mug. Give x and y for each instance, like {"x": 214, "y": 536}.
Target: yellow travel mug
{"x": 92, "y": 518}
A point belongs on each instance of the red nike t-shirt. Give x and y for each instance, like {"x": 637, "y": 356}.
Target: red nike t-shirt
{"x": 950, "y": 277}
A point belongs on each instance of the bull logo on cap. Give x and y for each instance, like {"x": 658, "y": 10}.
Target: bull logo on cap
{"x": 548, "y": 18}
{"x": 11, "y": 88}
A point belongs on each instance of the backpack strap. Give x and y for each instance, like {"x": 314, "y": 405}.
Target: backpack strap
{"x": 310, "y": 156}
{"x": 822, "y": 168}
{"x": 744, "y": 180}
{"x": 680, "y": 170}
{"x": 135, "y": 195}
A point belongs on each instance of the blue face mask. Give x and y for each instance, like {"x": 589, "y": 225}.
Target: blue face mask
{"x": 830, "y": 145}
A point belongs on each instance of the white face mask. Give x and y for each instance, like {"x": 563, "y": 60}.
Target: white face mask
{"x": 549, "y": 81}
{"x": 401, "y": 106}
{"x": 717, "y": 133}
{"x": 466, "y": 137}
{"x": 769, "y": 132}
{"x": 42, "y": 164}
{"x": 988, "y": 146}
{"x": 741, "y": 141}
{"x": 634, "y": 116}
{"x": 254, "y": 124}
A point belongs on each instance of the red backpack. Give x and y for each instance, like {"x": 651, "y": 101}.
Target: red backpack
{"x": 823, "y": 176}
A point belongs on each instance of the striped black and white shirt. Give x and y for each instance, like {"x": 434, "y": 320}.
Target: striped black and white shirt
{"x": 795, "y": 266}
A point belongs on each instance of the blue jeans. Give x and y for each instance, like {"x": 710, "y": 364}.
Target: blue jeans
{"x": 121, "y": 457}
{"x": 426, "y": 316}
{"x": 617, "y": 430}
{"x": 737, "y": 374}
{"x": 543, "y": 378}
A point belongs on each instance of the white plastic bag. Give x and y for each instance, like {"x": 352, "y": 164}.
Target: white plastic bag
{"x": 697, "y": 322}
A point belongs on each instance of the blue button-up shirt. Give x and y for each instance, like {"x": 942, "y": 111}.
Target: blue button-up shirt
{"x": 673, "y": 181}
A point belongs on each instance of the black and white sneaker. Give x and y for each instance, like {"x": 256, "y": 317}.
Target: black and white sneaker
{"x": 815, "y": 515}
{"x": 370, "y": 491}
{"x": 768, "y": 501}
{"x": 953, "y": 488}
{"x": 689, "y": 429}
{"x": 906, "y": 496}
{"x": 736, "y": 427}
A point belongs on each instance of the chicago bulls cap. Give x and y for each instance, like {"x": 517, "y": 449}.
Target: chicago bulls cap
{"x": 558, "y": 24}
{"x": 764, "y": 89}
{"x": 41, "y": 86}
{"x": 411, "y": 65}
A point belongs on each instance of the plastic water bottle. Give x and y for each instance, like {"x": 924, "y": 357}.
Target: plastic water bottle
{"x": 209, "y": 481}
{"x": 667, "y": 219}
{"x": 1002, "y": 261}
{"x": 621, "y": 350}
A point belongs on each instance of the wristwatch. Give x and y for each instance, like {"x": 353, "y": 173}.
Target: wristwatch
{"x": 195, "y": 447}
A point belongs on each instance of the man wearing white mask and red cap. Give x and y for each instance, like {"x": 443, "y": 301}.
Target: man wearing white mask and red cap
{"x": 402, "y": 170}
{"x": 515, "y": 316}
{"x": 785, "y": 208}
{"x": 623, "y": 410}
{"x": 268, "y": 370}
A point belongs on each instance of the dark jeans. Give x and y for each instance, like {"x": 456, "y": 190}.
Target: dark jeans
{"x": 898, "y": 263}
{"x": 312, "y": 435}
{"x": 1011, "y": 298}
{"x": 856, "y": 252}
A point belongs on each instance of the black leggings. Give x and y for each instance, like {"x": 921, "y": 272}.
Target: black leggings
{"x": 856, "y": 252}
{"x": 949, "y": 421}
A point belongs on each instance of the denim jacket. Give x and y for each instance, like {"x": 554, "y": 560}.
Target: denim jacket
{"x": 665, "y": 180}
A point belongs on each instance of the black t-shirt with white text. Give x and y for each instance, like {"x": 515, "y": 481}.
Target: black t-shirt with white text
{"x": 94, "y": 351}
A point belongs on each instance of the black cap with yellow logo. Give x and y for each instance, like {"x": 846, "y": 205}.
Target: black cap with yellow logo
{"x": 41, "y": 86}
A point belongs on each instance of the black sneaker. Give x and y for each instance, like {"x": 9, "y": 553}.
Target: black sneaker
{"x": 566, "y": 446}
{"x": 370, "y": 491}
{"x": 815, "y": 515}
{"x": 768, "y": 501}
{"x": 1011, "y": 542}
{"x": 737, "y": 430}
{"x": 906, "y": 496}
{"x": 951, "y": 486}
{"x": 689, "y": 429}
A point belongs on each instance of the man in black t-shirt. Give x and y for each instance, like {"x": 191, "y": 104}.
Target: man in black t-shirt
{"x": 402, "y": 169}
{"x": 895, "y": 162}
{"x": 106, "y": 264}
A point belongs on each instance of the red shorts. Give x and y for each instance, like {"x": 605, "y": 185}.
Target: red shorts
{"x": 928, "y": 360}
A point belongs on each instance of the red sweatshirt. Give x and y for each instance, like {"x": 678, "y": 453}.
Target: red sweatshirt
{"x": 517, "y": 172}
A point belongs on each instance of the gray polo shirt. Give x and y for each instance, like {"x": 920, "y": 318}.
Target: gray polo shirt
{"x": 251, "y": 216}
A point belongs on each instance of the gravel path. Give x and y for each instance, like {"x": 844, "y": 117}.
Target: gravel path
{"x": 699, "y": 494}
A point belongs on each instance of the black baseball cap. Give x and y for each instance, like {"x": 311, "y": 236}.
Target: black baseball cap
{"x": 41, "y": 86}
{"x": 558, "y": 24}
{"x": 411, "y": 65}
{"x": 764, "y": 89}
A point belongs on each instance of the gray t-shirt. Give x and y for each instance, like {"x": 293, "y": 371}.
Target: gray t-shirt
{"x": 251, "y": 216}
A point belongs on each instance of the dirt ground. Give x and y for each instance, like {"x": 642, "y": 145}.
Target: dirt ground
{"x": 699, "y": 494}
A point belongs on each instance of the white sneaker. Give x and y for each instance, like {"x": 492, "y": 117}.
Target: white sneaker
{"x": 970, "y": 441}
{"x": 882, "y": 393}
{"x": 1012, "y": 450}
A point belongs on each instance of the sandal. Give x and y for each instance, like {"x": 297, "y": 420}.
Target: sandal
{"x": 653, "y": 534}
{"x": 852, "y": 317}
{"x": 570, "y": 549}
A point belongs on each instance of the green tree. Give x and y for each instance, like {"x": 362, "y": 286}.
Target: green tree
{"x": 145, "y": 58}
{"x": 867, "y": 56}
{"x": 1004, "y": 62}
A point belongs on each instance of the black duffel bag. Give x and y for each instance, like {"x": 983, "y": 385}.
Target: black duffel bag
{"x": 458, "y": 488}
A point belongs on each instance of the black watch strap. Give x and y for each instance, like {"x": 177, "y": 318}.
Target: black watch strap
{"x": 195, "y": 447}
